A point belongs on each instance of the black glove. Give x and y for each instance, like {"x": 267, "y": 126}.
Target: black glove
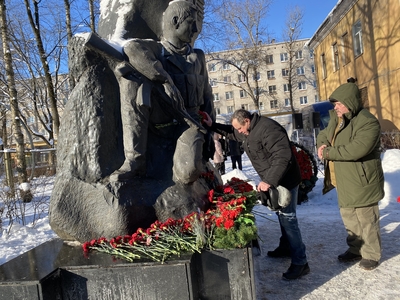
{"x": 275, "y": 198}
{"x": 270, "y": 199}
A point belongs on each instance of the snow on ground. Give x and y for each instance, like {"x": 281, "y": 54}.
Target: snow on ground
{"x": 325, "y": 238}
{"x": 323, "y": 234}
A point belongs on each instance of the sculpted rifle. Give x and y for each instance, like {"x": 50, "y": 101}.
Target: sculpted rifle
{"x": 125, "y": 68}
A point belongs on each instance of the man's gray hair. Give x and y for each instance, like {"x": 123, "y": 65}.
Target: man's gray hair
{"x": 240, "y": 115}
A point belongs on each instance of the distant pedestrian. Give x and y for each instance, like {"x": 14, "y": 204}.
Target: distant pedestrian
{"x": 219, "y": 158}
{"x": 235, "y": 151}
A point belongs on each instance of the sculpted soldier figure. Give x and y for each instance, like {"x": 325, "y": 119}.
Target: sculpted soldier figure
{"x": 167, "y": 100}
{"x": 131, "y": 149}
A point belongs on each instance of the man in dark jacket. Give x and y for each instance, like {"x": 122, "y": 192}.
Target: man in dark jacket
{"x": 235, "y": 152}
{"x": 267, "y": 145}
{"x": 350, "y": 148}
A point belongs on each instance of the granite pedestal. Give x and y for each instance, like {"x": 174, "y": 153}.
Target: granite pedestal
{"x": 56, "y": 270}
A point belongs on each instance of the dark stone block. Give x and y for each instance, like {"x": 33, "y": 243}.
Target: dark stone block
{"x": 55, "y": 270}
{"x": 118, "y": 144}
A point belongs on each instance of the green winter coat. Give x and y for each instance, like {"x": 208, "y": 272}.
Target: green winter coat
{"x": 355, "y": 153}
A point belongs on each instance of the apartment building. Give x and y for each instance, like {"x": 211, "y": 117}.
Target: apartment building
{"x": 360, "y": 39}
{"x": 276, "y": 73}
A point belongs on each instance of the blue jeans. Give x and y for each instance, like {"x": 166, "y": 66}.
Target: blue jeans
{"x": 291, "y": 236}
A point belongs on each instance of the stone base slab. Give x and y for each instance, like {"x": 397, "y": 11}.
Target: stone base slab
{"x": 56, "y": 270}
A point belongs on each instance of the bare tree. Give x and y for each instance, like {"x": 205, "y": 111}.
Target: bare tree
{"x": 92, "y": 15}
{"x": 26, "y": 194}
{"x": 240, "y": 28}
{"x": 34, "y": 21}
{"x": 294, "y": 51}
{"x": 68, "y": 23}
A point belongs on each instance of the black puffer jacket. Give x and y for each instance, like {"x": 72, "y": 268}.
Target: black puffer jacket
{"x": 269, "y": 150}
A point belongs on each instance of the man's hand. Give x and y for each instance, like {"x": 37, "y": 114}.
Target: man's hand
{"x": 321, "y": 151}
{"x": 263, "y": 186}
{"x": 207, "y": 119}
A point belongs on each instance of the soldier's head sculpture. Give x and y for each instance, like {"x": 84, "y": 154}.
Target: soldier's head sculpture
{"x": 180, "y": 23}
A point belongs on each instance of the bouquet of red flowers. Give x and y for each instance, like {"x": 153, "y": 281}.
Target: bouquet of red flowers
{"x": 229, "y": 223}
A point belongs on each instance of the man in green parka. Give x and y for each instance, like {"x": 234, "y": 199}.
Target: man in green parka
{"x": 349, "y": 147}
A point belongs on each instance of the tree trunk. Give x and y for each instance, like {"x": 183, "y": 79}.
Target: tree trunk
{"x": 67, "y": 5}
{"x": 43, "y": 58}
{"x": 92, "y": 16}
{"x": 26, "y": 194}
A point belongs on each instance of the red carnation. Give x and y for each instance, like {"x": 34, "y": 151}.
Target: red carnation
{"x": 210, "y": 195}
{"x": 202, "y": 115}
{"x": 229, "y": 224}
{"x": 86, "y": 246}
{"x": 229, "y": 190}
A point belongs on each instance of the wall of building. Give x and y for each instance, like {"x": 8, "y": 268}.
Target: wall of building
{"x": 376, "y": 68}
{"x": 226, "y": 106}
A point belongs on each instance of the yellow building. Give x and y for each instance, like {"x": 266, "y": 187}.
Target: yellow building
{"x": 360, "y": 39}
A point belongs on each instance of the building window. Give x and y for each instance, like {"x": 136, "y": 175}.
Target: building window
{"x": 225, "y": 66}
{"x": 213, "y": 82}
{"x": 335, "y": 55}
{"x": 303, "y": 100}
{"x": 245, "y": 106}
{"x": 257, "y": 76}
{"x": 243, "y": 94}
{"x": 273, "y": 104}
{"x": 269, "y": 59}
{"x": 287, "y": 102}
{"x": 314, "y": 83}
{"x": 227, "y": 79}
{"x": 312, "y": 69}
{"x": 345, "y": 49}
{"x": 271, "y": 74}
{"x": 272, "y": 89}
{"x": 261, "y": 105}
{"x": 241, "y": 78}
{"x": 216, "y": 97}
{"x": 300, "y": 70}
{"x": 230, "y": 109}
{"x": 212, "y": 68}
{"x": 285, "y": 72}
{"x": 302, "y": 85}
{"x": 286, "y": 87}
{"x": 299, "y": 54}
{"x": 323, "y": 64}
{"x": 229, "y": 95}
{"x": 218, "y": 111}
{"x": 284, "y": 57}
{"x": 357, "y": 39}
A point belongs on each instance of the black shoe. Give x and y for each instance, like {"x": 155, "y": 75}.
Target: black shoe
{"x": 348, "y": 256}
{"x": 296, "y": 271}
{"x": 279, "y": 252}
{"x": 368, "y": 264}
